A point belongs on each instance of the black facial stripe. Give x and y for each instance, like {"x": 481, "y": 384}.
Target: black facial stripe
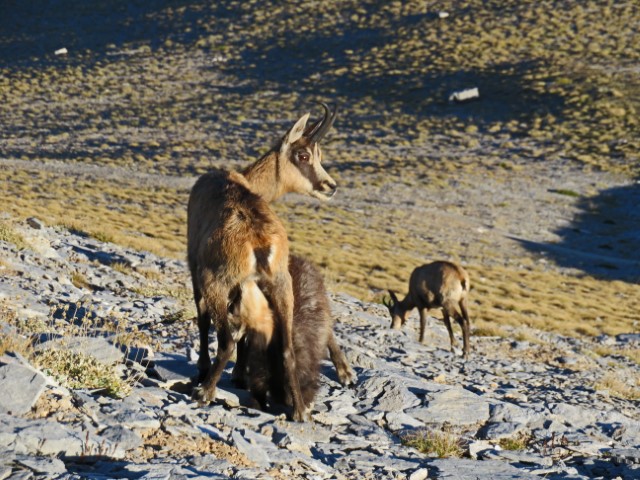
{"x": 307, "y": 170}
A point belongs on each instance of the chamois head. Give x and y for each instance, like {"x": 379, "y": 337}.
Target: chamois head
{"x": 300, "y": 157}
{"x": 398, "y": 314}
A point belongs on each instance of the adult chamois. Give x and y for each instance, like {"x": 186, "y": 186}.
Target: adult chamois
{"x": 234, "y": 237}
{"x": 259, "y": 361}
{"x": 438, "y": 284}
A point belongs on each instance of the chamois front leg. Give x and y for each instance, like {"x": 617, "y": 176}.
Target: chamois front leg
{"x": 204, "y": 324}
{"x": 346, "y": 376}
{"x": 423, "y": 322}
{"x": 448, "y": 313}
{"x": 207, "y": 391}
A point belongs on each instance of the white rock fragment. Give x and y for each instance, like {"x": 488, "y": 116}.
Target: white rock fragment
{"x": 61, "y": 51}
{"x": 465, "y": 95}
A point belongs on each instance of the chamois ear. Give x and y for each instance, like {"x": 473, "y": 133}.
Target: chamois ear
{"x": 296, "y": 131}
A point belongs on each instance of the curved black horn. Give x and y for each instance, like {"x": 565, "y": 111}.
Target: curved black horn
{"x": 321, "y": 128}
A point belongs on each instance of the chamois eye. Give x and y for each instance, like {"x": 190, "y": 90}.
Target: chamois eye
{"x": 303, "y": 156}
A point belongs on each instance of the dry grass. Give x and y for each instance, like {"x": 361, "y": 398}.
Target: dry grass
{"x": 630, "y": 353}
{"x": 536, "y": 297}
{"x": 10, "y": 235}
{"x": 519, "y": 442}
{"x": 561, "y": 68}
{"x": 441, "y": 444}
{"x": 12, "y": 340}
{"x": 619, "y": 388}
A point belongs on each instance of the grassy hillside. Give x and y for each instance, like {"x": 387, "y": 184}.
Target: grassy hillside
{"x": 175, "y": 87}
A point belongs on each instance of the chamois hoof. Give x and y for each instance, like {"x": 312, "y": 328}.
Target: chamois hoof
{"x": 347, "y": 377}
{"x": 299, "y": 416}
{"x": 203, "y": 395}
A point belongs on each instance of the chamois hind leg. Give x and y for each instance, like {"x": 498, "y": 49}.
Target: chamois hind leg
{"x": 346, "y": 375}
{"x": 238, "y": 375}
{"x": 279, "y": 293}
{"x": 465, "y": 324}
{"x": 204, "y": 324}
{"x": 207, "y": 391}
{"x": 449, "y": 312}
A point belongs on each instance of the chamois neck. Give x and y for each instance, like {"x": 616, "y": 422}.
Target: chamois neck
{"x": 264, "y": 178}
{"x": 407, "y": 303}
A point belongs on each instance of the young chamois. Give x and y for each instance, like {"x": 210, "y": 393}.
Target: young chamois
{"x": 259, "y": 361}
{"x": 435, "y": 285}
{"x": 234, "y": 237}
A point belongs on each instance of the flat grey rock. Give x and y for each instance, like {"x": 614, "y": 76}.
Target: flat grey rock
{"x": 21, "y": 387}
{"x": 51, "y": 467}
{"x": 119, "y": 440}
{"x": 252, "y": 452}
{"x": 455, "y": 405}
{"x": 463, "y": 469}
{"x": 172, "y": 368}
{"x": 41, "y": 437}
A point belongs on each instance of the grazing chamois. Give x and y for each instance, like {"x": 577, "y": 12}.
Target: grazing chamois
{"x": 234, "y": 237}
{"x": 259, "y": 361}
{"x": 438, "y": 284}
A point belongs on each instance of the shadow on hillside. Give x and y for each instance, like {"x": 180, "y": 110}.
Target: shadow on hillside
{"x": 300, "y": 65}
{"x": 315, "y": 66}
{"x": 604, "y": 239}
{"x": 36, "y": 29}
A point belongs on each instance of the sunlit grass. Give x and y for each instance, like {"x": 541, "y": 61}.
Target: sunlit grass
{"x": 618, "y": 388}
{"x": 440, "y": 444}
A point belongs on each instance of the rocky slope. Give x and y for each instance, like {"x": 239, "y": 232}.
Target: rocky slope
{"x": 535, "y": 405}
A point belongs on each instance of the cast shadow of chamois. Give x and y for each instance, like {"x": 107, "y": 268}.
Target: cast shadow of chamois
{"x": 603, "y": 240}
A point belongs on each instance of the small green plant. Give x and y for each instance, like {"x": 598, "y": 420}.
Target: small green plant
{"x": 441, "y": 444}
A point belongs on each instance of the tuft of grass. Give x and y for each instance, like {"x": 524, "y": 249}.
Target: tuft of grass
{"x": 618, "y": 388}
{"x": 10, "y": 339}
{"x": 78, "y": 370}
{"x": 630, "y": 353}
{"x": 487, "y": 329}
{"x": 102, "y": 237}
{"x": 441, "y": 444}
{"x": 122, "y": 267}
{"x": 79, "y": 280}
{"x": 519, "y": 442}
{"x": 8, "y": 234}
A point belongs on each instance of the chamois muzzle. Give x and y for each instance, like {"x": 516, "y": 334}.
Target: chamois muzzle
{"x": 320, "y": 129}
